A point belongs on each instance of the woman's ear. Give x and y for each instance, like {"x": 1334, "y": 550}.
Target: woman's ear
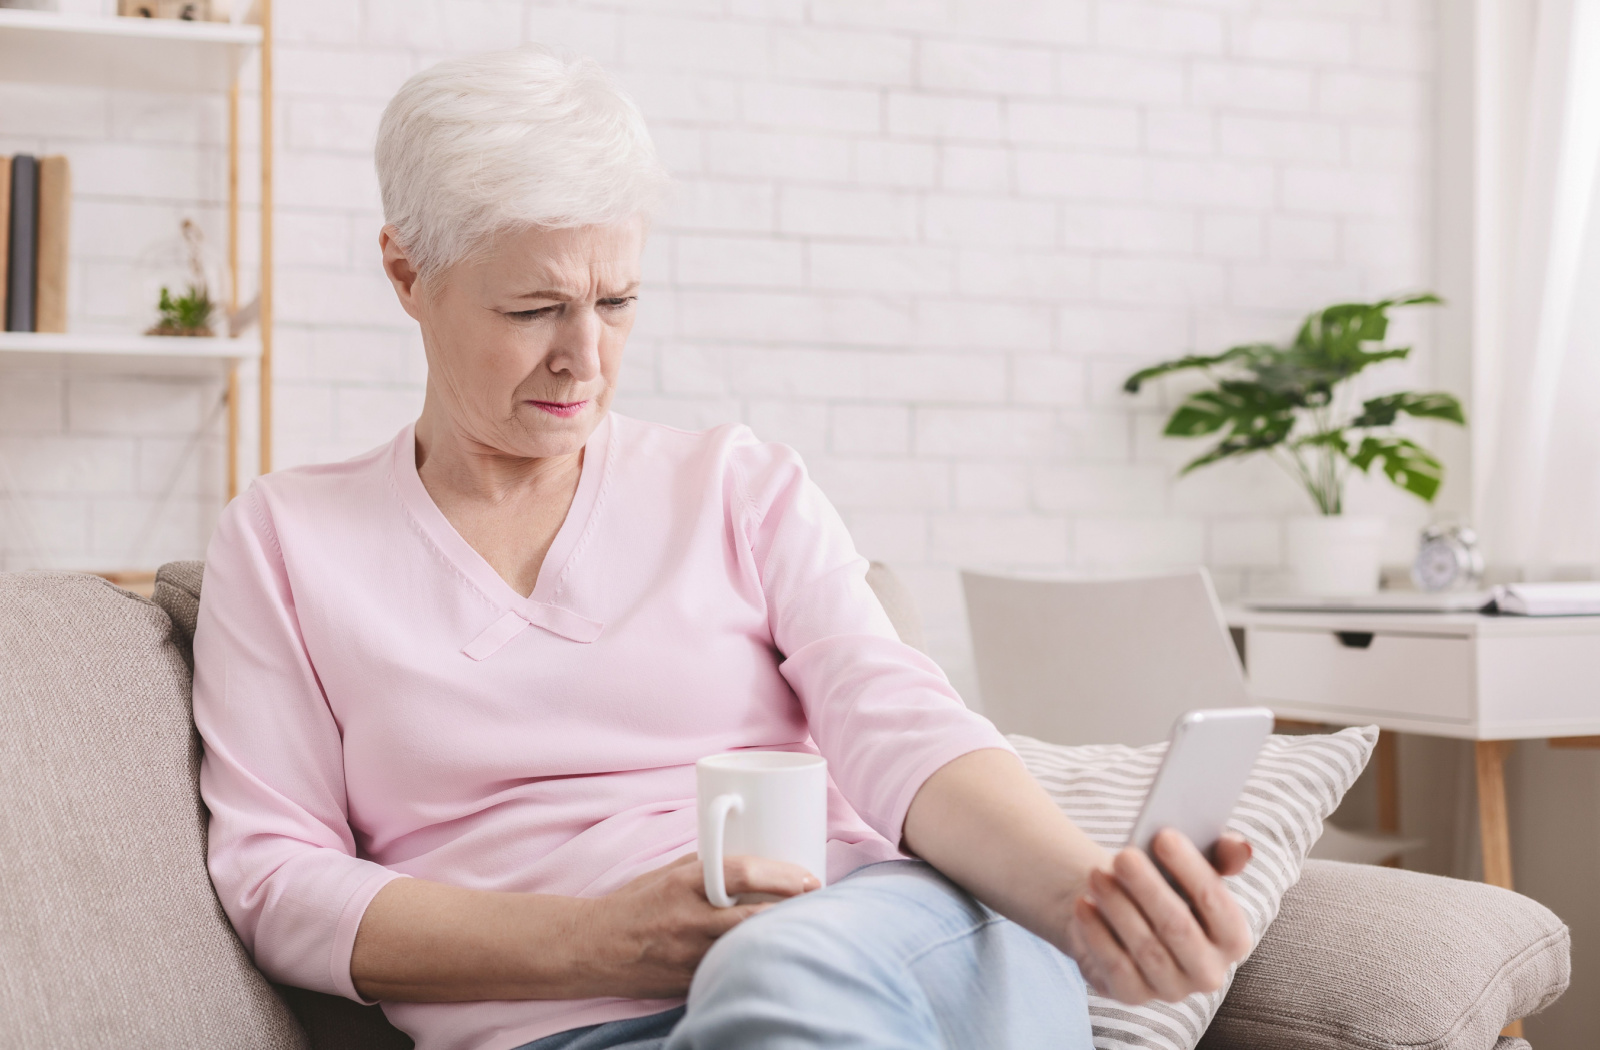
{"x": 397, "y": 267}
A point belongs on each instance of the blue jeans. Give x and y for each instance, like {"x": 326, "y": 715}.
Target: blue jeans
{"x": 893, "y": 957}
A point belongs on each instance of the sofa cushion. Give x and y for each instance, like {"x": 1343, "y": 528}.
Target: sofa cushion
{"x": 177, "y": 590}
{"x": 110, "y": 933}
{"x": 1296, "y": 783}
{"x": 1403, "y": 960}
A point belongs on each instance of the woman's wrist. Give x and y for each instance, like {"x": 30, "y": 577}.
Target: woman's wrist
{"x": 584, "y": 962}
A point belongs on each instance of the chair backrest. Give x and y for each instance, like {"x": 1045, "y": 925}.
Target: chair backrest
{"x": 1100, "y": 661}
{"x": 896, "y": 601}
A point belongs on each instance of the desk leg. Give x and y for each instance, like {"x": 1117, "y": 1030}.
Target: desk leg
{"x": 1494, "y": 826}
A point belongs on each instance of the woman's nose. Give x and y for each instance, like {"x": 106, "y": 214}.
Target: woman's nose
{"x": 576, "y": 349}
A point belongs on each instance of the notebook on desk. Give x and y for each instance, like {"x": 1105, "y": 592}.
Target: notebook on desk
{"x": 1548, "y": 599}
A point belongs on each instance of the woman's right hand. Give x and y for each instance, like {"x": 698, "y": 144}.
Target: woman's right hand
{"x": 644, "y": 940}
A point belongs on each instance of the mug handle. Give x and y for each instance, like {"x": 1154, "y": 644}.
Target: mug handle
{"x": 711, "y": 856}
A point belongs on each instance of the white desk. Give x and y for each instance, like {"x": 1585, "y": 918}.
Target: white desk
{"x": 1490, "y": 679}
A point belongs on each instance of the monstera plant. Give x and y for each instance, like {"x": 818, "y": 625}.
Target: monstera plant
{"x": 1290, "y": 404}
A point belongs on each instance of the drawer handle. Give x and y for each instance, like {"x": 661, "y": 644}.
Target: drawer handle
{"x": 1354, "y": 639}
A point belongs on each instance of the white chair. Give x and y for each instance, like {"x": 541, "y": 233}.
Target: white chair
{"x": 897, "y": 604}
{"x": 1100, "y": 661}
{"x": 1116, "y": 662}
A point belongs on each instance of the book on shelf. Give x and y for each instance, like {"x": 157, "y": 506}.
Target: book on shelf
{"x": 22, "y": 251}
{"x": 37, "y": 203}
{"x": 55, "y": 208}
{"x": 5, "y": 232}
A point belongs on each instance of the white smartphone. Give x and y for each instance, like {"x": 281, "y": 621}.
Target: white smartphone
{"x": 1203, "y": 775}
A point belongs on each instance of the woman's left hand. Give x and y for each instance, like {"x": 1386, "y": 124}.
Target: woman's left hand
{"x": 1136, "y": 939}
{"x": 984, "y": 822}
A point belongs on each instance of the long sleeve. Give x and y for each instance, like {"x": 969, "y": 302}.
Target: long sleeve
{"x": 882, "y": 713}
{"x": 281, "y": 852}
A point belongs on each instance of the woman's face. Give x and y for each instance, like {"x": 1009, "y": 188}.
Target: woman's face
{"x": 524, "y": 341}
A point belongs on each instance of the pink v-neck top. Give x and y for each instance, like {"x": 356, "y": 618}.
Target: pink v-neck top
{"x": 377, "y": 702}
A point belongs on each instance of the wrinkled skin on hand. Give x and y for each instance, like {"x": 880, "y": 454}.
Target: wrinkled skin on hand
{"x": 1136, "y": 939}
{"x": 649, "y": 936}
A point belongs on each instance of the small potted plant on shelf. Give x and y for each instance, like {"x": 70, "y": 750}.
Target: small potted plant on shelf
{"x": 189, "y": 312}
{"x": 1293, "y": 405}
{"x": 186, "y": 314}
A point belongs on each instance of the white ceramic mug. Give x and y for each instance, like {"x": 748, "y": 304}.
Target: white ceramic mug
{"x": 770, "y": 804}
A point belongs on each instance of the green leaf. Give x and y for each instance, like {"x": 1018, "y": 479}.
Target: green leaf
{"x": 1334, "y": 439}
{"x": 1404, "y": 462}
{"x": 1383, "y": 411}
{"x": 1240, "y": 445}
{"x": 1255, "y": 420}
{"x": 1329, "y": 346}
{"x": 1340, "y": 329}
{"x": 1204, "y": 413}
{"x": 1239, "y": 404}
{"x": 1412, "y": 299}
{"x": 1193, "y": 361}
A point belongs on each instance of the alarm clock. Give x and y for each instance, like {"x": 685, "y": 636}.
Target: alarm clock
{"x": 1448, "y": 560}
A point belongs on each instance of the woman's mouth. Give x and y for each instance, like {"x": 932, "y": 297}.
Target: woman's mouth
{"x": 563, "y": 409}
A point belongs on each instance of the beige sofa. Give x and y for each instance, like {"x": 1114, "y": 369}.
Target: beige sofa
{"x": 111, "y": 936}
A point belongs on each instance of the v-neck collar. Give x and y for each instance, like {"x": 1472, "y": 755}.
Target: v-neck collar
{"x": 543, "y": 607}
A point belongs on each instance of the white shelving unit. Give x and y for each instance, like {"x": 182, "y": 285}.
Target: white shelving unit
{"x": 163, "y": 354}
{"x": 43, "y": 47}
{"x": 46, "y": 47}
{"x": 50, "y": 48}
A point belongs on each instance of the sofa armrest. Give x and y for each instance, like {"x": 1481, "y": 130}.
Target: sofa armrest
{"x": 1380, "y": 959}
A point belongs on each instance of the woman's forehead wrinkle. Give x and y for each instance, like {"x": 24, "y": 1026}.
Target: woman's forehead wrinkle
{"x": 616, "y": 277}
{"x": 564, "y": 268}
{"x": 550, "y": 272}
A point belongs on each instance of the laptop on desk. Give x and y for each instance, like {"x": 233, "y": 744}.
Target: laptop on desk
{"x": 1382, "y": 602}
{"x": 1557, "y": 598}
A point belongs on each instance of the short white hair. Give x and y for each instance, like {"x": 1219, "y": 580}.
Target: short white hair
{"x": 480, "y": 145}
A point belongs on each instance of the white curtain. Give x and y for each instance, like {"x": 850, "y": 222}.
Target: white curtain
{"x": 1537, "y": 384}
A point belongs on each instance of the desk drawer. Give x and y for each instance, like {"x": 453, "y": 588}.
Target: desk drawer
{"x": 1420, "y": 676}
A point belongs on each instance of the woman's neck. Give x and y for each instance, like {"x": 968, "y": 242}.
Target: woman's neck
{"x": 458, "y": 466}
{"x": 508, "y": 508}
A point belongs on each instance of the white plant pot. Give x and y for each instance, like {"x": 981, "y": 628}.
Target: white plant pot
{"x": 1338, "y": 555}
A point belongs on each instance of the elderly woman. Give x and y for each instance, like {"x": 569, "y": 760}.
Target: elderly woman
{"x": 452, "y": 691}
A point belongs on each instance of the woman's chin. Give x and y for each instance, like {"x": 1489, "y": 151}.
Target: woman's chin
{"x": 559, "y": 432}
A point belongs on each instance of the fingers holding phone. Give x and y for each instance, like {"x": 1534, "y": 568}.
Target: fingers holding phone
{"x": 1144, "y": 940}
{"x": 1209, "y": 900}
{"x": 1231, "y": 854}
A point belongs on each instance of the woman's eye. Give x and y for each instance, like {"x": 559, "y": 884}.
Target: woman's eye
{"x": 530, "y": 315}
{"x": 618, "y": 302}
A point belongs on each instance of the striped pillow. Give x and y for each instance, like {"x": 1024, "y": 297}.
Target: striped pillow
{"x": 1297, "y": 782}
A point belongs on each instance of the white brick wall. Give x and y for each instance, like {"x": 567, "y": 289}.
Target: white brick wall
{"x": 921, "y": 241}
